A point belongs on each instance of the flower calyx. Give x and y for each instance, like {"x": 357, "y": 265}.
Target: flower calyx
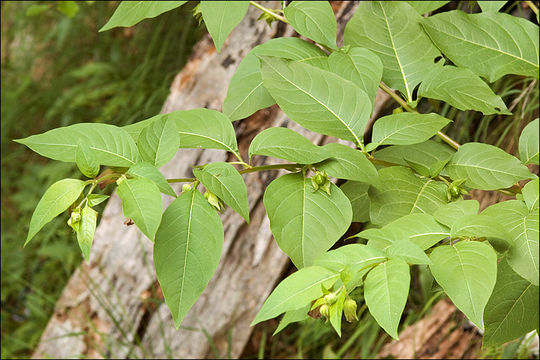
{"x": 321, "y": 181}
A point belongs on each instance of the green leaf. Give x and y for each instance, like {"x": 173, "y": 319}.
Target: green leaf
{"x": 134, "y": 130}
{"x": 448, "y": 214}
{"x": 467, "y": 272}
{"x": 187, "y": 251}
{"x": 486, "y": 167}
{"x": 358, "y": 196}
{"x": 87, "y": 228}
{"x": 317, "y": 99}
{"x": 386, "y": 289}
{"x": 530, "y": 194}
{"x": 463, "y": 39}
{"x": 158, "y": 142}
{"x": 355, "y": 256}
{"x": 96, "y": 199}
{"x": 130, "y": 13}
{"x": 423, "y": 7}
{"x": 313, "y": 19}
{"x": 522, "y": 224}
{"x": 110, "y": 145}
{"x": 336, "y": 312}
{"x": 141, "y": 202}
{"x": 36, "y": 9}
{"x": 86, "y": 162}
{"x": 491, "y": 6}
{"x": 246, "y": 93}
{"x": 150, "y": 172}
{"x": 291, "y": 317}
{"x": 479, "y": 226}
{"x": 305, "y": 222}
{"x": 408, "y": 251}
{"x": 406, "y": 129}
{"x": 287, "y": 144}
{"x": 403, "y": 193}
{"x": 348, "y": 163}
{"x": 528, "y": 143}
{"x": 512, "y": 309}
{"x": 221, "y": 17}
{"x": 295, "y": 291}
{"x": 462, "y": 89}
{"x": 359, "y": 65}
{"x": 391, "y": 29}
{"x": 68, "y": 8}
{"x": 58, "y": 197}
{"x": 224, "y": 180}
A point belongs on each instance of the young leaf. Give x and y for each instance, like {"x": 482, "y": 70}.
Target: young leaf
{"x": 486, "y": 167}
{"x": 110, "y": 145}
{"x": 86, "y": 161}
{"x": 358, "y": 196}
{"x": 292, "y": 316}
{"x": 221, "y": 17}
{"x": 448, "y": 214}
{"x": 130, "y": 13}
{"x": 287, "y": 144}
{"x": 336, "y": 312}
{"x": 85, "y": 234}
{"x": 512, "y": 309}
{"x": 408, "y": 251}
{"x": 467, "y": 272}
{"x": 528, "y": 143}
{"x": 530, "y": 194}
{"x": 403, "y": 193}
{"x": 295, "y": 291}
{"x": 391, "y": 29}
{"x": 359, "y": 65}
{"x": 386, "y": 289}
{"x": 463, "y": 39}
{"x": 406, "y": 128}
{"x": 187, "y": 251}
{"x": 423, "y": 7}
{"x": 491, "y": 6}
{"x": 482, "y": 226}
{"x": 313, "y": 19}
{"x": 150, "y": 172}
{"x": 141, "y": 202}
{"x": 305, "y": 222}
{"x": 354, "y": 256}
{"x": 159, "y": 141}
{"x": 58, "y": 197}
{"x": 462, "y": 89}
{"x": 96, "y": 199}
{"x": 348, "y": 163}
{"x": 224, "y": 180}
{"x": 317, "y": 99}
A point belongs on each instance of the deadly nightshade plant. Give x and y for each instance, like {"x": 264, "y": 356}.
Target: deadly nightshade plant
{"x": 406, "y": 183}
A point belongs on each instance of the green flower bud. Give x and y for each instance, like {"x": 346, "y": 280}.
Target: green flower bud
{"x": 397, "y": 110}
{"x": 186, "y": 187}
{"x": 330, "y": 298}
{"x": 213, "y": 200}
{"x": 324, "y": 310}
{"x": 319, "y": 178}
{"x": 455, "y": 191}
{"x": 75, "y": 217}
{"x": 349, "y": 308}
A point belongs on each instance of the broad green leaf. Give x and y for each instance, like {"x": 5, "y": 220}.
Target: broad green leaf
{"x": 462, "y": 89}
{"x": 134, "y": 130}
{"x": 348, "y": 163}
{"x": 305, "y": 222}
{"x": 316, "y": 99}
{"x": 528, "y": 143}
{"x": 403, "y": 193}
{"x": 187, "y": 251}
{"x": 221, "y": 17}
{"x": 391, "y": 29}
{"x": 68, "y": 8}
{"x": 448, "y": 214}
{"x": 58, "y": 197}
{"x": 292, "y": 316}
{"x": 130, "y": 13}
{"x": 141, "y": 202}
{"x": 512, "y": 309}
{"x": 246, "y": 93}
{"x": 87, "y": 228}
{"x": 86, "y": 162}
{"x": 287, "y": 144}
{"x": 486, "y": 167}
{"x": 491, "y": 54}
{"x": 158, "y": 142}
{"x": 358, "y": 196}
{"x": 426, "y": 6}
{"x": 355, "y": 256}
{"x": 406, "y": 129}
{"x": 224, "y": 180}
{"x": 491, "y": 6}
{"x": 150, "y": 172}
{"x": 530, "y": 194}
{"x": 295, "y": 291}
{"x": 110, "y": 145}
{"x": 408, "y": 251}
{"x": 313, "y": 19}
{"x": 482, "y": 226}
{"x": 522, "y": 225}
{"x": 359, "y": 65}
{"x": 467, "y": 272}
{"x": 96, "y": 199}
{"x": 386, "y": 289}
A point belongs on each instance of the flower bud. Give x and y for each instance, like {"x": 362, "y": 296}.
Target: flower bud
{"x": 186, "y": 188}
{"x": 213, "y": 200}
{"x": 75, "y": 217}
{"x": 331, "y": 298}
{"x": 324, "y": 310}
{"x": 349, "y": 308}
{"x": 319, "y": 178}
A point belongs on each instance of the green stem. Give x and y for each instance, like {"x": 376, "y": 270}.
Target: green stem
{"x": 268, "y": 11}
{"x": 290, "y": 167}
{"x": 181, "y": 180}
{"x": 532, "y": 6}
